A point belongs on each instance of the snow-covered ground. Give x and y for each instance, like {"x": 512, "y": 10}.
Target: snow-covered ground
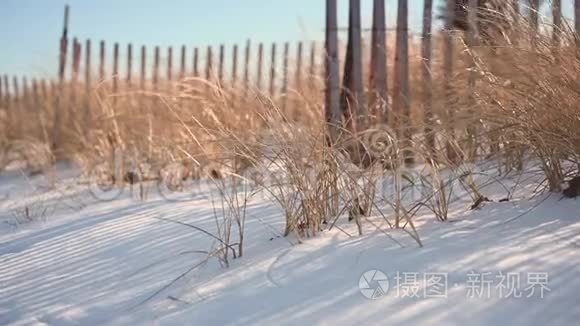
{"x": 87, "y": 262}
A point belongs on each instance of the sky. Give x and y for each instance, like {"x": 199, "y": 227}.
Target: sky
{"x": 30, "y": 29}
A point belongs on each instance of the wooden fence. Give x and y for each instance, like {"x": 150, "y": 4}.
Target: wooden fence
{"x": 348, "y": 103}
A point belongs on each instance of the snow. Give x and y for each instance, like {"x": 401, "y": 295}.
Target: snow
{"x": 86, "y": 262}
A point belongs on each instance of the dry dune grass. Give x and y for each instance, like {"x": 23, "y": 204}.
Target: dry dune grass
{"x": 523, "y": 106}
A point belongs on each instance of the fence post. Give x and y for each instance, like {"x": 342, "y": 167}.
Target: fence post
{"x": 143, "y": 74}
{"x": 471, "y": 41}
{"x": 102, "y": 61}
{"x": 115, "y": 70}
{"x": 352, "y": 96}
{"x": 312, "y": 67}
{"x": 378, "y": 73}
{"x": 76, "y": 62}
{"x": 448, "y": 76}
{"x": 182, "y": 64}
{"x": 221, "y": 65}
{"x": 25, "y": 97}
{"x": 156, "y": 70}
{"x": 2, "y": 98}
{"x": 285, "y": 77}
{"x": 208, "y": 64}
{"x": 16, "y": 102}
{"x": 534, "y": 21}
{"x": 260, "y": 63}
{"x": 7, "y": 99}
{"x": 37, "y": 108}
{"x": 87, "y": 114}
{"x": 247, "y": 68}
{"x": 515, "y": 7}
{"x": 34, "y": 94}
{"x": 577, "y": 21}
{"x": 169, "y": 64}
{"x": 427, "y": 77}
{"x": 273, "y": 70}
{"x": 534, "y": 7}
{"x": 298, "y": 72}
{"x": 557, "y": 22}
{"x": 170, "y": 70}
{"x": 129, "y": 63}
{"x": 332, "y": 78}
{"x": 61, "y": 77}
{"x": 44, "y": 94}
{"x": 195, "y": 62}
{"x": 234, "y": 65}
{"x": 402, "y": 95}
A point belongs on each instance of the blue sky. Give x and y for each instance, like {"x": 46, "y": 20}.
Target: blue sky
{"x": 31, "y": 28}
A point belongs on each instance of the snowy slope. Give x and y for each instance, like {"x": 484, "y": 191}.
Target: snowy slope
{"x": 89, "y": 262}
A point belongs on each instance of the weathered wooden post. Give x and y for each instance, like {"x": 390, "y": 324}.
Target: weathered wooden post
{"x": 7, "y": 99}
{"x": 427, "y": 77}
{"x": 156, "y": 69}
{"x": 43, "y": 109}
{"x": 169, "y": 65}
{"x": 247, "y": 69}
{"x": 25, "y": 98}
{"x": 34, "y": 95}
{"x": 353, "y": 102}
{"x": 129, "y": 64}
{"x": 209, "y": 64}
{"x": 534, "y": 14}
{"x": 143, "y": 75}
{"x": 115, "y": 70}
{"x": 24, "y": 105}
{"x": 534, "y": 21}
{"x": 182, "y": 64}
{"x": 87, "y": 110}
{"x": 77, "y": 50}
{"x": 515, "y": 11}
{"x": 577, "y": 21}
{"x": 332, "y": 78}
{"x": 61, "y": 79}
{"x": 471, "y": 42}
{"x": 16, "y": 101}
{"x": 221, "y": 65}
{"x": 195, "y": 62}
{"x": 273, "y": 70}
{"x": 285, "y": 77}
{"x": 169, "y": 86}
{"x": 144, "y": 100}
{"x": 312, "y": 66}
{"x": 448, "y": 76}
{"x": 75, "y": 70}
{"x": 129, "y": 76}
{"x": 37, "y": 109}
{"x": 102, "y": 61}
{"x": 260, "y": 62}
{"x": 234, "y": 80}
{"x": 234, "y": 65}
{"x": 2, "y": 98}
{"x": 44, "y": 94}
{"x": 378, "y": 73}
{"x": 298, "y": 72}
{"x": 557, "y": 23}
{"x": 402, "y": 100}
